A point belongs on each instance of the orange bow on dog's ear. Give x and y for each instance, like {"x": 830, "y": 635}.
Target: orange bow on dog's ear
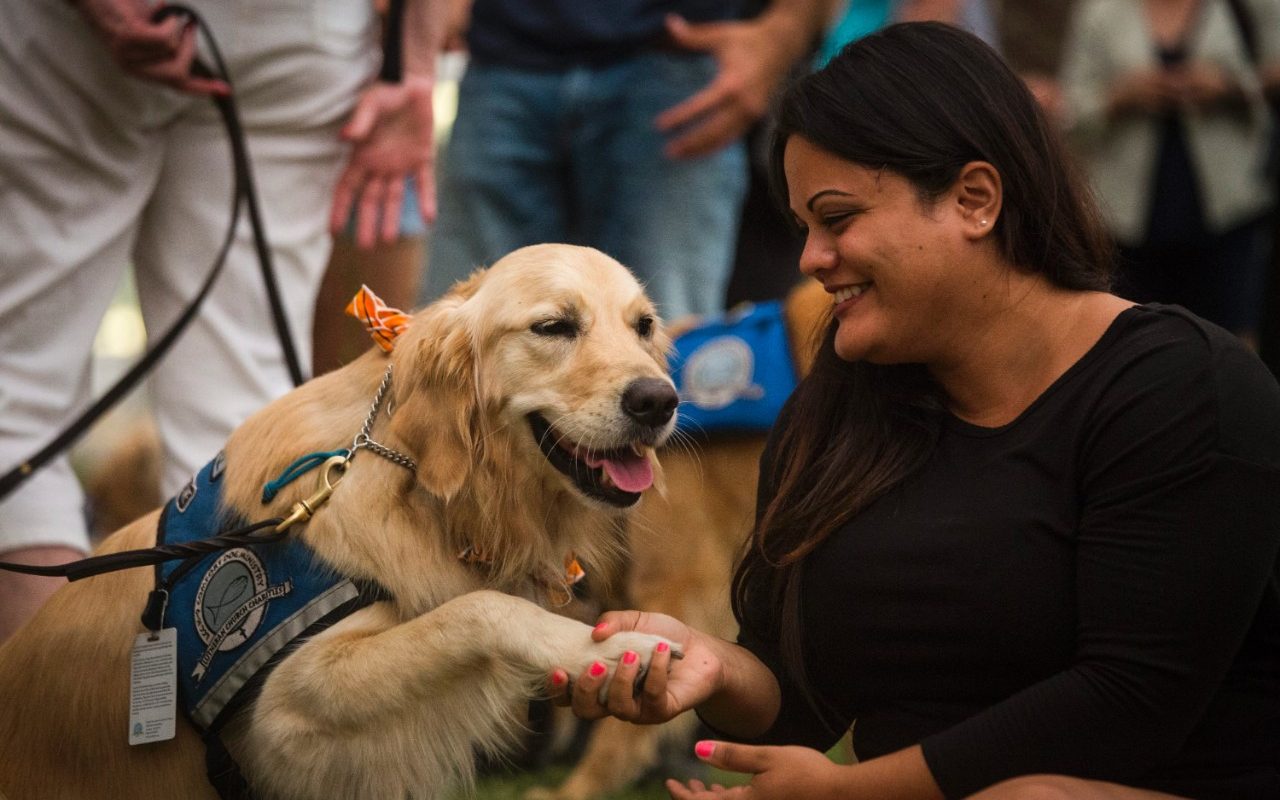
{"x": 383, "y": 322}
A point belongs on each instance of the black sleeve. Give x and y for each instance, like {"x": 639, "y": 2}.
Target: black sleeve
{"x": 1178, "y": 539}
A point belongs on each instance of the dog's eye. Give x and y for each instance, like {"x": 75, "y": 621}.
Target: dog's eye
{"x": 556, "y": 327}
{"x": 644, "y": 327}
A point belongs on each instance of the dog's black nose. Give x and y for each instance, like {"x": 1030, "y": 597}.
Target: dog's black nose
{"x": 650, "y": 401}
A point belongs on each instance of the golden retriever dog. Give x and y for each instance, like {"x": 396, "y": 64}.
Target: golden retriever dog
{"x": 683, "y": 543}
{"x": 519, "y": 423}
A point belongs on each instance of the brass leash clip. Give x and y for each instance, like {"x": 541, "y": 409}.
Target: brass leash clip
{"x": 303, "y": 509}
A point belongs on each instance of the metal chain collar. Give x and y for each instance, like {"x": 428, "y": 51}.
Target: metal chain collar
{"x": 363, "y": 440}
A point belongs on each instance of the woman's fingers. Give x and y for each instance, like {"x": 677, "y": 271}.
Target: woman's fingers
{"x": 622, "y": 699}
{"x": 586, "y": 692}
{"x": 558, "y": 688}
{"x": 654, "y": 689}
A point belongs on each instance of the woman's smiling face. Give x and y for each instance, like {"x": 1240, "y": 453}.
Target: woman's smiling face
{"x": 891, "y": 261}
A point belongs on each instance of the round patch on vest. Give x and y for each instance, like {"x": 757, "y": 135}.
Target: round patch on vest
{"x": 231, "y": 600}
{"x": 719, "y": 373}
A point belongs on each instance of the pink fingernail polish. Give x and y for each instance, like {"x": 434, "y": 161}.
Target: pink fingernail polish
{"x": 601, "y": 626}
{"x": 597, "y": 669}
{"x": 629, "y": 657}
{"x": 557, "y": 679}
{"x": 663, "y": 647}
{"x": 704, "y": 749}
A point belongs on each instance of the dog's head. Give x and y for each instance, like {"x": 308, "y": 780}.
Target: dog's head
{"x": 551, "y": 362}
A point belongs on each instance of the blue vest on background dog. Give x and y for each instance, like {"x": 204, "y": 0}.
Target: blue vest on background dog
{"x": 240, "y": 611}
{"x": 734, "y": 373}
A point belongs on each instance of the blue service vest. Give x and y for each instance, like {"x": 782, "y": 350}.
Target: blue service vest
{"x": 239, "y": 611}
{"x": 734, "y": 373}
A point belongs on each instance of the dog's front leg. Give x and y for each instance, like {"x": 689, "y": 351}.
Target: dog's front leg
{"x": 375, "y": 707}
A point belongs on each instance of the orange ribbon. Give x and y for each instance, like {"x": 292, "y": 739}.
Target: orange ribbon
{"x": 383, "y": 322}
{"x": 573, "y": 571}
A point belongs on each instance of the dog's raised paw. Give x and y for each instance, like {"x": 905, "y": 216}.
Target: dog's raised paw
{"x": 642, "y": 644}
{"x": 611, "y": 650}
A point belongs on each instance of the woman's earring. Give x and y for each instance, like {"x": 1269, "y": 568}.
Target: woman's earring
{"x": 984, "y": 222}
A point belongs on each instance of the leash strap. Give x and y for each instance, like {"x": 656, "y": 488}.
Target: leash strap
{"x": 1243, "y": 17}
{"x": 246, "y": 189}
{"x": 243, "y": 189}
{"x": 392, "y": 70}
{"x": 256, "y": 533}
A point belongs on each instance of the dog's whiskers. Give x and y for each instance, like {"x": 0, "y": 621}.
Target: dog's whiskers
{"x": 561, "y": 435}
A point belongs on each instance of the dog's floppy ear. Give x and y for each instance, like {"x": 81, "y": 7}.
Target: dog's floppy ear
{"x": 436, "y": 404}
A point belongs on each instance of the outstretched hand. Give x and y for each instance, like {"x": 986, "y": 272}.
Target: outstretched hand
{"x": 776, "y": 772}
{"x": 670, "y": 688}
{"x": 162, "y": 51}
{"x": 392, "y": 132}
{"x": 752, "y": 57}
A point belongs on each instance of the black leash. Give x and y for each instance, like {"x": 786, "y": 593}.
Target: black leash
{"x": 97, "y": 565}
{"x": 392, "y": 70}
{"x": 243, "y": 190}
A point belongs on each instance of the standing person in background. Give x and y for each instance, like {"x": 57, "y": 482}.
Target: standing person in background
{"x": 1023, "y": 532}
{"x": 111, "y": 154}
{"x": 367, "y": 247}
{"x": 1164, "y": 106}
{"x": 1032, "y": 35}
{"x": 616, "y": 125}
{"x": 861, "y": 17}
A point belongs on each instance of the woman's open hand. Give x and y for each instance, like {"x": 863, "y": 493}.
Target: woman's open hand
{"x": 776, "y": 772}
{"x": 671, "y": 686}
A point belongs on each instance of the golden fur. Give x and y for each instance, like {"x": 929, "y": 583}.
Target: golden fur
{"x": 683, "y": 544}
{"x": 391, "y": 701}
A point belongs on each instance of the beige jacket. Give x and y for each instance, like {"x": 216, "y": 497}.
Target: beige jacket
{"x": 1109, "y": 38}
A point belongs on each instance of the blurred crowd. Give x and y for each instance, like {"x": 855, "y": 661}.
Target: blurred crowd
{"x": 1169, "y": 107}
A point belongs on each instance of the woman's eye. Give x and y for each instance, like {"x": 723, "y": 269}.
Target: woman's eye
{"x": 556, "y": 327}
{"x": 644, "y": 327}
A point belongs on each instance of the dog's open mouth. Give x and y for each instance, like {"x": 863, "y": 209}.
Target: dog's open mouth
{"x": 616, "y": 476}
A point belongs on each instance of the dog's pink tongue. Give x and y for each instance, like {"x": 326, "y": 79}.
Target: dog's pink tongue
{"x": 630, "y": 473}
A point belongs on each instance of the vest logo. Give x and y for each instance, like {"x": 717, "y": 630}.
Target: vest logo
{"x": 718, "y": 373}
{"x": 231, "y": 602}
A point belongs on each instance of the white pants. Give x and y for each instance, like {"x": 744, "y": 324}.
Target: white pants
{"x": 99, "y": 171}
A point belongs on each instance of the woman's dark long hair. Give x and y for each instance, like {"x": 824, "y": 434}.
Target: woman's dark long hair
{"x": 920, "y": 100}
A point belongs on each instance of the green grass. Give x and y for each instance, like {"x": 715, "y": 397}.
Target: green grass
{"x": 513, "y": 787}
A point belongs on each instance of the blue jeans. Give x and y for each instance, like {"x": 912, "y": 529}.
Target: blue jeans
{"x": 574, "y": 157}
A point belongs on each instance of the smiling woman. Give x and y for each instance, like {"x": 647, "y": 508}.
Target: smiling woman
{"x": 889, "y": 256}
{"x": 1021, "y": 530}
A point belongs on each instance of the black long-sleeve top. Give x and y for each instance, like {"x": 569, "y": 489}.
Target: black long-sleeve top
{"x": 1092, "y": 589}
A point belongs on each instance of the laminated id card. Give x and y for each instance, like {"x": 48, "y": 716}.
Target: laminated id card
{"x": 153, "y": 687}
